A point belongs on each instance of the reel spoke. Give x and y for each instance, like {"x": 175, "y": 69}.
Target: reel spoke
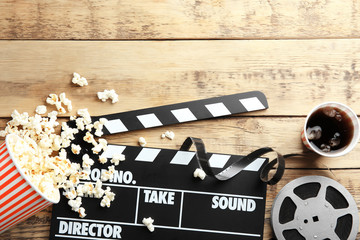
{"x": 289, "y": 225}
{"x": 341, "y": 212}
{"x": 322, "y": 191}
{"x": 296, "y": 199}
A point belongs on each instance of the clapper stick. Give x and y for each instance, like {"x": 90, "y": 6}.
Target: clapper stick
{"x": 184, "y": 112}
{"x": 176, "y": 113}
{"x": 179, "y": 113}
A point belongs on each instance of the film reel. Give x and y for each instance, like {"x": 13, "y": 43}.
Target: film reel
{"x": 314, "y": 207}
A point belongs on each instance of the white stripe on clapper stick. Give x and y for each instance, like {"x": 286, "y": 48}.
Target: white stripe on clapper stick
{"x": 147, "y": 154}
{"x": 111, "y": 150}
{"x": 218, "y": 160}
{"x": 252, "y": 104}
{"x": 182, "y": 158}
{"x": 183, "y": 115}
{"x": 218, "y": 109}
{"x": 149, "y": 120}
{"x": 115, "y": 126}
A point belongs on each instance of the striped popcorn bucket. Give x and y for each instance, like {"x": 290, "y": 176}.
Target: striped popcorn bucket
{"x": 19, "y": 198}
{"x": 342, "y": 151}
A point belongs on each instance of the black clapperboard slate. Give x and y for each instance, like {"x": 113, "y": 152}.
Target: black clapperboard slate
{"x": 159, "y": 183}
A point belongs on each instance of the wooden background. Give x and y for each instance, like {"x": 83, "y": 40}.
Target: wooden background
{"x": 155, "y": 52}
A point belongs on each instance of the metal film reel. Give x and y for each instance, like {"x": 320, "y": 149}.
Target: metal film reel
{"x": 314, "y": 207}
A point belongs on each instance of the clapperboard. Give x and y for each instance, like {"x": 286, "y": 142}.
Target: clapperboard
{"x": 159, "y": 183}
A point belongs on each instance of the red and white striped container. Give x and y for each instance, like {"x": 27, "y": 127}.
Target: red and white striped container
{"x": 19, "y": 198}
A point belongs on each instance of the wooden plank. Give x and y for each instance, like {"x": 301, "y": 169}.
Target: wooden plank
{"x": 241, "y": 135}
{"x": 38, "y": 225}
{"x": 175, "y": 19}
{"x": 295, "y": 75}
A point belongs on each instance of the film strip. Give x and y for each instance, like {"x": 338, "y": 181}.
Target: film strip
{"x": 184, "y": 112}
{"x": 314, "y": 207}
{"x": 239, "y": 165}
{"x": 159, "y": 183}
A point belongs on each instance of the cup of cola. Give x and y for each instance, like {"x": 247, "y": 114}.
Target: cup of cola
{"x": 331, "y": 129}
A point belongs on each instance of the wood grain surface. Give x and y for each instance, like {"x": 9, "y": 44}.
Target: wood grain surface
{"x": 156, "y": 52}
{"x": 179, "y": 19}
{"x": 295, "y": 75}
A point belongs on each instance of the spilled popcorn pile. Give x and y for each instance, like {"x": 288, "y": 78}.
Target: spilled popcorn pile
{"x": 41, "y": 152}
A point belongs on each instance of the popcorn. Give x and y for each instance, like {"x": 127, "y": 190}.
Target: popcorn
{"x": 42, "y": 169}
{"x": 106, "y": 94}
{"x": 19, "y": 119}
{"x": 98, "y": 191}
{"x": 85, "y": 114}
{"x": 52, "y": 99}
{"x": 117, "y": 157}
{"x": 65, "y": 142}
{"x": 75, "y": 149}
{"x": 70, "y": 193}
{"x": 169, "y": 134}
{"x": 99, "y": 147}
{"x": 53, "y": 114}
{"x": 89, "y": 138}
{"x": 98, "y": 125}
{"x": 84, "y": 174}
{"x": 108, "y": 198}
{"x": 67, "y": 132}
{"x": 80, "y": 124}
{"x": 75, "y": 166}
{"x": 88, "y": 188}
{"x": 63, "y": 98}
{"x": 89, "y": 127}
{"x": 77, "y": 79}
{"x": 42, "y": 156}
{"x": 80, "y": 190}
{"x": 87, "y": 161}
{"x": 2, "y": 133}
{"x": 81, "y": 212}
{"x": 105, "y": 202}
{"x": 41, "y": 109}
{"x": 108, "y": 175}
{"x": 142, "y": 141}
{"x": 56, "y": 142}
{"x": 148, "y": 222}
{"x": 74, "y": 179}
{"x": 61, "y": 110}
{"x": 199, "y": 173}
{"x": 103, "y": 160}
{"x": 103, "y": 143}
{"x": 65, "y": 101}
{"x": 103, "y": 121}
{"x": 56, "y": 100}
{"x": 75, "y": 204}
{"x": 62, "y": 154}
